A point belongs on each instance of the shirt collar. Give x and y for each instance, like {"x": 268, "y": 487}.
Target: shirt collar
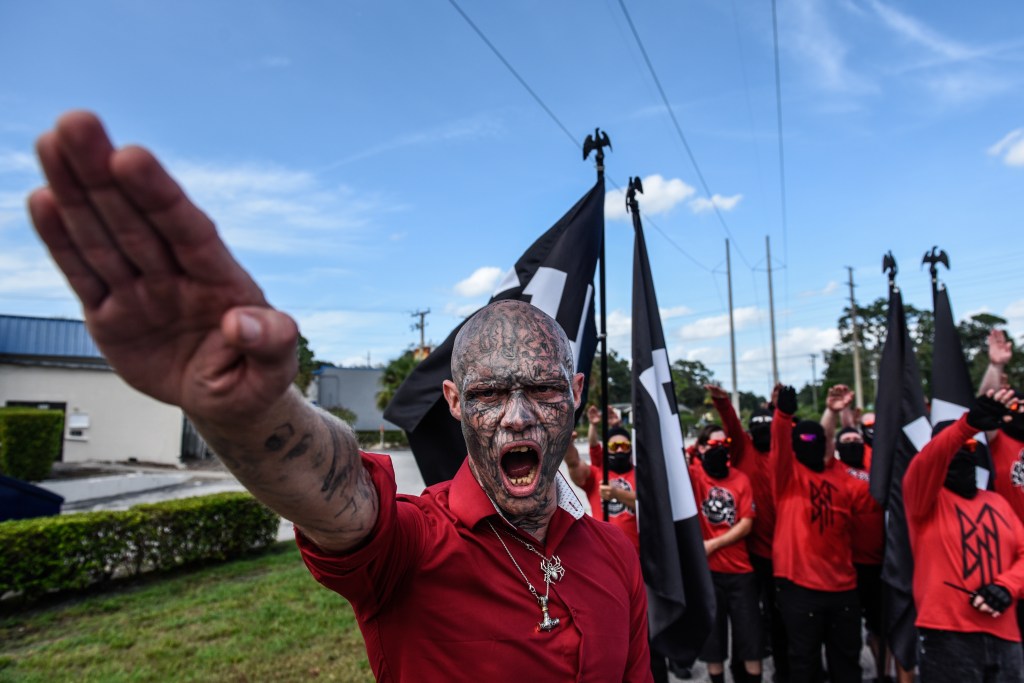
{"x": 470, "y": 504}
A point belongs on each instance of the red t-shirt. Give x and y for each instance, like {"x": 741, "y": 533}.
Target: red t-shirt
{"x": 437, "y": 597}
{"x": 619, "y": 515}
{"x": 1008, "y": 459}
{"x": 722, "y": 503}
{"x": 868, "y": 517}
{"x": 959, "y": 541}
{"x": 813, "y": 524}
{"x": 760, "y": 469}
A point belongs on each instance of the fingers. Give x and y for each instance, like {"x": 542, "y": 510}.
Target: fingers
{"x": 264, "y": 334}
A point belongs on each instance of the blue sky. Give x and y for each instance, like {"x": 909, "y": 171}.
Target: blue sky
{"x": 366, "y": 160}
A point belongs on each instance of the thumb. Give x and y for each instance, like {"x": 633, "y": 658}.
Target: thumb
{"x": 265, "y": 335}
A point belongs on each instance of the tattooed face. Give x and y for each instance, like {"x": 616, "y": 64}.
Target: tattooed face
{"x": 515, "y": 393}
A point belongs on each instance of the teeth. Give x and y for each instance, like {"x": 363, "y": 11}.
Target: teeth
{"x": 523, "y": 481}
{"x": 519, "y": 449}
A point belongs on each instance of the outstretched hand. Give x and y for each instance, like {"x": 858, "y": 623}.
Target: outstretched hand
{"x": 991, "y": 410}
{"x": 170, "y": 308}
{"x": 787, "y": 400}
{"x": 839, "y": 398}
{"x": 1000, "y": 349}
{"x": 717, "y": 392}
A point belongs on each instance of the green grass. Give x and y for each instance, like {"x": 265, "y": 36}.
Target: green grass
{"x": 261, "y": 618}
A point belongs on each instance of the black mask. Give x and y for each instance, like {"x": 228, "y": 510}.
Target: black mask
{"x": 620, "y": 463}
{"x": 960, "y": 477}
{"x": 851, "y": 453}
{"x": 761, "y": 429}
{"x": 1014, "y": 428}
{"x": 716, "y": 462}
{"x": 809, "y": 445}
{"x": 869, "y": 434}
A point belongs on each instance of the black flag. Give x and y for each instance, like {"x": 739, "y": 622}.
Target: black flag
{"x": 680, "y": 596}
{"x": 901, "y": 430}
{"x": 952, "y": 391}
{"x": 555, "y": 274}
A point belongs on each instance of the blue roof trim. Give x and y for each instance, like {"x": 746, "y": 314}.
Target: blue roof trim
{"x": 46, "y": 337}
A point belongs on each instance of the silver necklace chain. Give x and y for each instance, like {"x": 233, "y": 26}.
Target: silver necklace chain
{"x": 551, "y": 569}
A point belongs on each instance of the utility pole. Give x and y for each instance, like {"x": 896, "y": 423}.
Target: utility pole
{"x": 421, "y": 326}
{"x": 857, "y": 384}
{"x": 732, "y": 330}
{"x": 771, "y": 312}
{"x": 814, "y": 381}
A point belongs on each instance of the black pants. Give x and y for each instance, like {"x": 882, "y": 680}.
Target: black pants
{"x": 948, "y": 656}
{"x": 774, "y": 629}
{"x": 815, "y": 618}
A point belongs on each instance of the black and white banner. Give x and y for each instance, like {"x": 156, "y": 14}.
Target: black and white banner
{"x": 680, "y": 596}
{"x": 555, "y": 274}
{"x": 901, "y": 430}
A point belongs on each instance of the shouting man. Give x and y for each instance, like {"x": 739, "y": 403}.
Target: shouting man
{"x": 496, "y": 575}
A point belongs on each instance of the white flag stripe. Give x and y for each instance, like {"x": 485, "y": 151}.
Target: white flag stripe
{"x": 919, "y": 432}
{"x": 944, "y": 410}
{"x": 653, "y": 380}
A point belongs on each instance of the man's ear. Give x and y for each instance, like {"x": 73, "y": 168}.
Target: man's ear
{"x": 451, "y": 394}
{"x": 577, "y": 390}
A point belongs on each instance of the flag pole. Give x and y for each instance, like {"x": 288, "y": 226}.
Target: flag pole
{"x": 933, "y": 258}
{"x": 598, "y": 142}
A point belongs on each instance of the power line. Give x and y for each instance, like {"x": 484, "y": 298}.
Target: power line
{"x": 782, "y": 152}
{"x": 679, "y": 131}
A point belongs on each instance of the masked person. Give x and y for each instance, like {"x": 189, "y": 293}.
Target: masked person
{"x": 496, "y": 575}
{"x": 620, "y": 491}
{"x": 751, "y": 454}
{"x": 968, "y": 549}
{"x": 812, "y": 553}
{"x": 726, "y": 511}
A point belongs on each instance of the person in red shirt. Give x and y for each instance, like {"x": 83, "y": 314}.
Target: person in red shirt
{"x": 751, "y": 454}
{"x": 812, "y": 553}
{"x": 726, "y": 505}
{"x": 968, "y": 549}
{"x": 497, "y": 575}
{"x": 620, "y": 491}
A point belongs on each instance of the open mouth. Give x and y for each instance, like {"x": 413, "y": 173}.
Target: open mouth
{"x": 520, "y": 464}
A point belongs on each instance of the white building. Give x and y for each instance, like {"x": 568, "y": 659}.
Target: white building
{"x": 54, "y": 363}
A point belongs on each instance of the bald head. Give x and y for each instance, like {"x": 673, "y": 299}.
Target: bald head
{"x": 509, "y": 330}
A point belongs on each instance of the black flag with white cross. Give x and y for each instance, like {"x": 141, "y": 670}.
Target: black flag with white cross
{"x": 952, "y": 390}
{"x": 680, "y": 596}
{"x": 901, "y": 430}
{"x": 555, "y": 274}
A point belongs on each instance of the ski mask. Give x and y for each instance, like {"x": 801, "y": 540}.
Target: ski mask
{"x": 867, "y": 425}
{"x": 809, "y": 445}
{"x": 851, "y": 452}
{"x": 761, "y": 429}
{"x": 961, "y": 477}
{"x": 619, "y": 461}
{"x": 716, "y": 462}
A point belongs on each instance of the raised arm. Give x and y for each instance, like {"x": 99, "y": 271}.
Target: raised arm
{"x": 837, "y": 401}
{"x": 180, "y": 320}
{"x": 579, "y": 471}
{"x": 731, "y": 424}
{"x": 782, "y": 437}
{"x": 1000, "y": 352}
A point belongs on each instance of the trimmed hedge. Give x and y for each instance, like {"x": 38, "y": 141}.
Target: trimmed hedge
{"x": 75, "y": 551}
{"x": 30, "y": 442}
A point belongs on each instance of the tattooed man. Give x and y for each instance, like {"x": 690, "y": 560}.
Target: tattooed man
{"x": 496, "y": 575}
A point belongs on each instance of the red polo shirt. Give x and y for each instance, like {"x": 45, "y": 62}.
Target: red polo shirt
{"x": 813, "y": 527}
{"x": 868, "y": 517}
{"x": 760, "y": 469}
{"x": 960, "y": 544}
{"x": 619, "y": 515}
{"x": 437, "y": 597}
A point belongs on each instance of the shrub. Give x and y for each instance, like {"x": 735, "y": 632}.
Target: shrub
{"x": 75, "y": 551}
{"x": 30, "y": 442}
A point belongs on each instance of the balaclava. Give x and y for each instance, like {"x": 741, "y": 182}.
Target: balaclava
{"x": 619, "y": 463}
{"x": 851, "y": 453}
{"x": 716, "y": 462}
{"x": 761, "y": 429}
{"x": 809, "y": 445}
{"x": 961, "y": 477}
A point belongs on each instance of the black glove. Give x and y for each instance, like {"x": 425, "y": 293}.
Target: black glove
{"x": 986, "y": 414}
{"x": 787, "y": 400}
{"x": 995, "y": 596}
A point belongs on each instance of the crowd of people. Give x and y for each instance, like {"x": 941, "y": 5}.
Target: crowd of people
{"x": 795, "y": 541}
{"x": 499, "y": 574}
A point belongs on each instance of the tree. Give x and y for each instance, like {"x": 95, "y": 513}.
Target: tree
{"x": 307, "y": 365}
{"x": 689, "y": 378}
{"x": 395, "y": 373}
{"x": 620, "y": 380}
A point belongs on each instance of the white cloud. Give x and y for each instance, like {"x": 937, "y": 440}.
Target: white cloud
{"x": 659, "y": 196}
{"x": 716, "y": 326}
{"x": 461, "y": 310}
{"x": 831, "y": 288}
{"x": 482, "y": 281}
{"x": 1010, "y": 148}
{"x": 821, "y": 50}
{"x": 674, "y": 312}
{"x": 29, "y": 273}
{"x": 1014, "y": 314}
{"x": 330, "y": 333}
{"x": 473, "y": 128}
{"x": 17, "y": 162}
{"x": 703, "y": 205}
{"x": 917, "y": 33}
{"x": 270, "y": 209}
